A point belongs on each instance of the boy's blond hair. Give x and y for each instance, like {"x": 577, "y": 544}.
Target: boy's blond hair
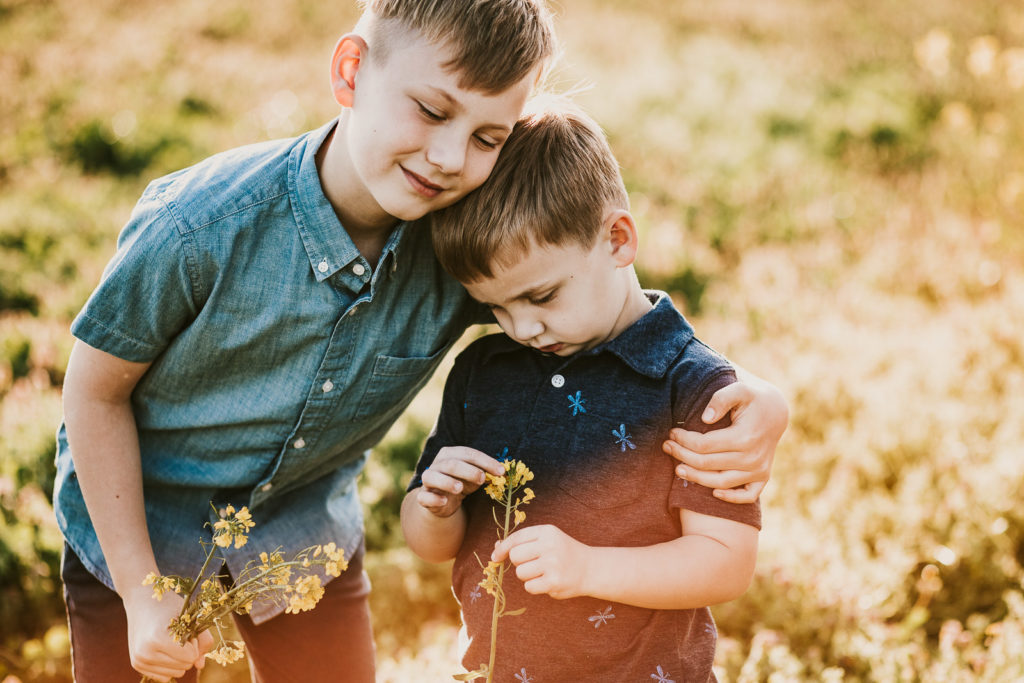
{"x": 554, "y": 182}
{"x": 493, "y": 43}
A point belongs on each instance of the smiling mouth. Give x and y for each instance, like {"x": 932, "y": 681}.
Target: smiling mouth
{"x": 421, "y": 185}
{"x": 551, "y": 348}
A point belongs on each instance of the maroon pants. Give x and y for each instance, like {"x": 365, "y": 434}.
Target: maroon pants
{"x": 332, "y": 643}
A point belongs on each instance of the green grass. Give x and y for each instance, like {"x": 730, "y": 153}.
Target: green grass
{"x": 832, "y": 196}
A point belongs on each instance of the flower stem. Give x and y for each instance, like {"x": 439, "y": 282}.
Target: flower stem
{"x": 499, "y": 598}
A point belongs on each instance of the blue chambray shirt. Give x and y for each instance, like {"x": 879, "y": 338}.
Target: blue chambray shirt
{"x": 279, "y": 356}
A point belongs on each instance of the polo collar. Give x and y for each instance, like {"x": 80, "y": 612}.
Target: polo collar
{"x": 649, "y": 346}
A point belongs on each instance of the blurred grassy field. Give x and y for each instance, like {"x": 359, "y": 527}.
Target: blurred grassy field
{"x": 832, "y": 190}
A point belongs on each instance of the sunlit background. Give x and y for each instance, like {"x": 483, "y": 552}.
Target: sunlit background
{"x": 832, "y": 190}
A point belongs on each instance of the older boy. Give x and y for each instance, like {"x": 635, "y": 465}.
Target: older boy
{"x": 618, "y": 559}
{"x": 266, "y": 318}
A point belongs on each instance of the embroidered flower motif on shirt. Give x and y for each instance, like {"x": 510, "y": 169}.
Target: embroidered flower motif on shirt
{"x": 576, "y": 403}
{"x": 622, "y": 438}
{"x": 474, "y": 594}
{"x": 523, "y": 677}
{"x": 602, "y": 616}
{"x": 661, "y": 676}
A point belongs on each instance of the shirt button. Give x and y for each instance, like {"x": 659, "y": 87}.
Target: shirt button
{"x": 322, "y": 266}
{"x": 266, "y": 487}
{"x": 300, "y": 443}
{"x": 328, "y": 385}
{"x": 557, "y": 381}
{"x": 358, "y": 269}
{"x": 352, "y": 311}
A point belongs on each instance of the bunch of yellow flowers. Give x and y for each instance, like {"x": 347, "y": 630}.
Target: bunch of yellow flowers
{"x": 211, "y": 598}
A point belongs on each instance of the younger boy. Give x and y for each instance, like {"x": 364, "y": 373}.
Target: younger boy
{"x": 618, "y": 559}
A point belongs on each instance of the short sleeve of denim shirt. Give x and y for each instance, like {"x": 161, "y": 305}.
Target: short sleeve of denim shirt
{"x": 692, "y": 496}
{"x": 146, "y": 295}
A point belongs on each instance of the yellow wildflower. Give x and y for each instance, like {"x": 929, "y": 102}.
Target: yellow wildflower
{"x": 307, "y": 592}
{"x": 161, "y": 584}
{"x": 519, "y": 517}
{"x": 495, "y": 487}
{"x": 490, "y": 581}
{"x": 227, "y": 652}
{"x": 527, "y": 495}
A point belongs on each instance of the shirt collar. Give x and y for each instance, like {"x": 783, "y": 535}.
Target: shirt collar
{"x": 653, "y": 342}
{"x": 648, "y": 346}
{"x": 327, "y": 243}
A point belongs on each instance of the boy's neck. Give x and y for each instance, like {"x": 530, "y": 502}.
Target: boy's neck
{"x": 635, "y": 306}
{"x": 369, "y": 234}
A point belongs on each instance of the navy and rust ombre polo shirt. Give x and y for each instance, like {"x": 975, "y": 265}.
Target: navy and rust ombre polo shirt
{"x": 590, "y": 428}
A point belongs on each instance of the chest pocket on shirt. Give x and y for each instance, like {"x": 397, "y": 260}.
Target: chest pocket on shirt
{"x": 395, "y": 380}
{"x": 611, "y": 461}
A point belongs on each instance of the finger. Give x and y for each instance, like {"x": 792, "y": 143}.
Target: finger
{"x": 437, "y": 480}
{"x": 472, "y": 456}
{"x": 726, "y": 479}
{"x": 459, "y": 469}
{"x": 503, "y": 548}
{"x": 537, "y": 586}
{"x": 711, "y": 463}
{"x": 529, "y": 571}
{"x": 431, "y": 499}
{"x": 727, "y": 398}
{"x": 527, "y": 551}
{"x": 735, "y": 438}
{"x": 744, "y": 494}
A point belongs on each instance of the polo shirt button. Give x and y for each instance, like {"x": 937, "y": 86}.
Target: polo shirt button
{"x": 358, "y": 269}
{"x": 266, "y": 487}
{"x": 300, "y": 443}
{"x": 328, "y": 385}
{"x": 557, "y": 381}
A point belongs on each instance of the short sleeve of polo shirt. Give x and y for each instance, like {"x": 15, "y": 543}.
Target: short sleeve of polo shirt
{"x": 146, "y": 295}
{"x": 692, "y": 496}
{"x": 450, "y": 428}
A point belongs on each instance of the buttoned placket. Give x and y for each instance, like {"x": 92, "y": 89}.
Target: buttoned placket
{"x": 300, "y": 446}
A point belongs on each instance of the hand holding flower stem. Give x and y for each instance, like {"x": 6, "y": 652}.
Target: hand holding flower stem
{"x": 208, "y": 600}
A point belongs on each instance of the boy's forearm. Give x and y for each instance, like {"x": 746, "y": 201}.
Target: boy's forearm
{"x": 685, "y": 573}
{"x": 433, "y": 538}
{"x": 105, "y": 444}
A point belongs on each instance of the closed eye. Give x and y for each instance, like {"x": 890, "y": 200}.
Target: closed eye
{"x": 430, "y": 113}
{"x": 486, "y": 143}
{"x": 541, "y": 300}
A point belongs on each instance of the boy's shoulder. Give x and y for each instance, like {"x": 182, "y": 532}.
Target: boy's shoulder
{"x": 225, "y": 183}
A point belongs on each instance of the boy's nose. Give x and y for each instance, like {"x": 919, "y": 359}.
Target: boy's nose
{"x": 447, "y": 151}
{"x": 527, "y": 328}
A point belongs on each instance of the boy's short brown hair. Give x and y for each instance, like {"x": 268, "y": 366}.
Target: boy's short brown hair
{"x": 494, "y": 43}
{"x": 554, "y": 182}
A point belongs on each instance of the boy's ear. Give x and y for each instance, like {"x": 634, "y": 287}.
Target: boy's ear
{"x": 622, "y": 236}
{"x": 348, "y": 54}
